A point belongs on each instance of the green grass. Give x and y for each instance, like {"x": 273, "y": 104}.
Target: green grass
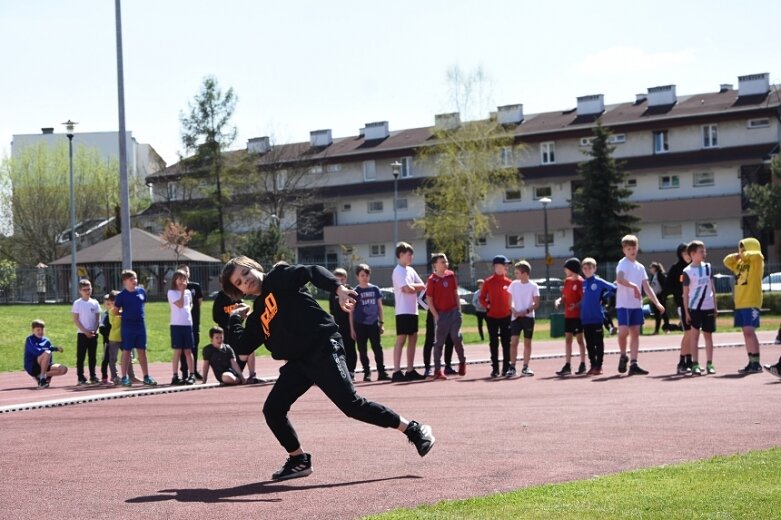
{"x": 739, "y": 486}
{"x": 15, "y": 324}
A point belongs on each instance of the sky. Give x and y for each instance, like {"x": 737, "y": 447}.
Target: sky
{"x": 304, "y": 65}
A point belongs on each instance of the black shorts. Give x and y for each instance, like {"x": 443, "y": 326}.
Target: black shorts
{"x": 703, "y": 320}
{"x": 525, "y": 325}
{"x": 228, "y": 371}
{"x": 682, "y": 314}
{"x": 406, "y": 324}
{"x": 573, "y": 325}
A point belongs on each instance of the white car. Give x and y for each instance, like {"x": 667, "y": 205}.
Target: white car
{"x": 772, "y": 282}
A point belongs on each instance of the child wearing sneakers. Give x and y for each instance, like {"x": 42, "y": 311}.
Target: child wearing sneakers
{"x": 180, "y": 300}
{"x": 445, "y": 308}
{"x": 748, "y": 264}
{"x": 406, "y": 286}
{"x": 367, "y": 324}
{"x": 86, "y": 316}
{"x": 632, "y": 280}
{"x": 130, "y": 305}
{"x": 571, "y": 296}
{"x": 524, "y": 299}
{"x": 289, "y": 321}
{"x": 592, "y": 314}
{"x": 38, "y": 360}
{"x": 700, "y": 305}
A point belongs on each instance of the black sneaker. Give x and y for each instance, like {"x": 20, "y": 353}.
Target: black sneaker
{"x": 420, "y": 435}
{"x": 190, "y": 380}
{"x": 622, "y": 361}
{"x": 511, "y": 372}
{"x": 367, "y": 376}
{"x": 581, "y": 369}
{"x": 397, "y": 377}
{"x": 635, "y": 370}
{"x": 752, "y": 368}
{"x": 198, "y": 376}
{"x": 43, "y": 383}
{"x": 252, "y": 380}
{"x": 383, "y": 376}
{"x": 82, "y": 382}
{"x": 494, "y": 373}
{"x": 680, "y": 369}
{"x": 94, "y": 380}
{"x": 565, "y": 370}
{"x": 294, "y": 467}
{"x": 413, "y": 375}
{"x": 449, "y": 371}
{"x": 774, "y": 369}
{"x": 176, "y": 381}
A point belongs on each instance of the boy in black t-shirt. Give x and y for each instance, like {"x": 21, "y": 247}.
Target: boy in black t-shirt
{"x": 221, "y": 358}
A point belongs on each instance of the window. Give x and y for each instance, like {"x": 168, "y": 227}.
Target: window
{"x": 630, "y": 183}
{"x": 333, "y": 168}
{"x": 406, "y": 167}
{"x": 661, "y": 144}
{"x": 512, "y": 195}
{"x": 586, "y": 141}
{"x": 375, "y": 206}
{"x": 539, "y": 239}
{"x": 481, "y": 241}
{"x": 377, "y": 250}
{"x": 347, "y": 207}
{"x": 548, "y": 152}
{"x": 667, "y": 182}
{"x": 281, "y": 179}
{"x": 401, "y": 204}
{"x": 542, "y": 191}
{"x": 672, "y": 231}
{"x": 369, "y": 170}
{"x": 703, "y": 179}
{"x": 617, "y": 139}
{"x": 761, "y": 122}
{"x": 506, "y": 156}
{"x": 513, "y": 240}
{"x": 707, "y": 229}
{"x": 317, "y": 169}
{"x": 710, "y": 136}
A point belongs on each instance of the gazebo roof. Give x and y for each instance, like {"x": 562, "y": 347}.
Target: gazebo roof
{"x": 146, "y": 248}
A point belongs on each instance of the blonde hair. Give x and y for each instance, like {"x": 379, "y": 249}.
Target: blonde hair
{"x": 589, "y": 261}
{"x": 629, "y": 240}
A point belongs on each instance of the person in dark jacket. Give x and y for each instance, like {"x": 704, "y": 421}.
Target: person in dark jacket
{"x": 674, "y": 286}
{"x": 293, "y": 327}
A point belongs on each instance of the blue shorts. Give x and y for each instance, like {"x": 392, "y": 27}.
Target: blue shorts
{"x": 133, "y": 337}
{"x": 630, "y": 317}
{"x": 747, "y": 317}
{"x": 182, "y": 336}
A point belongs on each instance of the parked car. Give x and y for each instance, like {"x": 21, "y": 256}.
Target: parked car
{"x": 465, "y": 296}
{"x": 771, "y": 282}
{"x": 555, "y": 285}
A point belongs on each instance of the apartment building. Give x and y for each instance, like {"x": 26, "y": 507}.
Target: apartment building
{"x": 688, "y": 158}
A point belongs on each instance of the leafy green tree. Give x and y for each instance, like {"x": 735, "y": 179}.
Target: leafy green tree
{"x": 207, "y": 131}
{"x": 267, "y": 246}
{"x": 468, "y": 167}
{"x": 601, "y": 211}
{"x": 765, "y": 200}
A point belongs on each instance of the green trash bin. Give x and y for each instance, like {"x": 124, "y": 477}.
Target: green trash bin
{"x": 556, "y": 325}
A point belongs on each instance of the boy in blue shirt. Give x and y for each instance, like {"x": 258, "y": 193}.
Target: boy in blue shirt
{"x": 131, "y": 303}
{"x": 592, "y": 314}
{"x": 38, "y": 361}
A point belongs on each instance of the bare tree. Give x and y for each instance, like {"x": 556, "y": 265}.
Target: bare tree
{"x": 175, "y": 237}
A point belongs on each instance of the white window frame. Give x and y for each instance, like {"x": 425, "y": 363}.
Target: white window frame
{"x": 506, "y": 158}
{"x": 481, "y": 241}
{"x": 375, "y": 206}
{"x": 710, "y": 136}
{"x": 406, "y": 167}
{"x": 376, "y": 250}
{"x": 706, "y": 229}
{"x": 661, "y": 141}
{"x": 402, "y": 203}
{"x": 317, "y": 169}
{"x": 617, "y": 139}
{"x": 539, "y": 239}
{"x": 514, "y": 241}
{"x": 548, "y": 152}
{"x": 630, "y": 183}
{"x": 333, "y": 168}
{"x": 537, "y": 195}
{"x": 281, "y": 179}
{"x": 369, "y": 170}
{"x": 672, "y": 230}
{"x": 509, "y": 195}
{"x": 669, "y": 182}
{"x": 758, "y": 122}
{"x": 347, "y": 207}
{"x": 586, "y": 141}
{"x": 701, "y": 179}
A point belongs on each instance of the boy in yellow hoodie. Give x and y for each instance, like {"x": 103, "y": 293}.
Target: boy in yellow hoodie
{"x": 748, "y": 264}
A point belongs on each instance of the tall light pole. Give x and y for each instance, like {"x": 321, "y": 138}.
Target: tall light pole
{"x": 545, "y": 201}
{"x": 124, "y": 193}
{"x": 396, "y": 167}
{"x": 74, "y": 275}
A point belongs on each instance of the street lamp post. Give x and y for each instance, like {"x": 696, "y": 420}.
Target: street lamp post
{"x": 74, "y": 275}
{"x": 545, "y": 201}
{"x": 396, "y": 167}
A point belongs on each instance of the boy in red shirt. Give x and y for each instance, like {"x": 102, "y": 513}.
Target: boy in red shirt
{"x": 495, "y": 298}
{"x": 571, "y": 294}
{"x": 445, "y": 307}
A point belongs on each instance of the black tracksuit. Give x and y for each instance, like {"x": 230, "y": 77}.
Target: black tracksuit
{"x": 293, "y": 326}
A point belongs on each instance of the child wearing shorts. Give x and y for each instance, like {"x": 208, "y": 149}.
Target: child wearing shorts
{"x": 525, "y": 298}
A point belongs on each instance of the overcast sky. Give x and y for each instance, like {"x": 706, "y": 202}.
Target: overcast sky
{"x": 298, "y": 66}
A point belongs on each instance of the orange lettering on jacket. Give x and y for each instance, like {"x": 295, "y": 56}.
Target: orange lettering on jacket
{"x": 268, "y": 314}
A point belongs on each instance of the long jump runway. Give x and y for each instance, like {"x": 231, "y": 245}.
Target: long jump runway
{"x": 209, "y": 454}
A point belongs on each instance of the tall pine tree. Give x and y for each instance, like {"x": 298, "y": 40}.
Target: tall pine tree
{"x": 601, "y": 210}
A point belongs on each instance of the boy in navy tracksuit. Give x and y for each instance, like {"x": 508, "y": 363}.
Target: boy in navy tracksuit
{"x": 592, "y": 314}
{"x": 289, "y": 321}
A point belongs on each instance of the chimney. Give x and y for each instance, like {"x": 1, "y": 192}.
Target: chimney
{"x": 639, "y": 98}
{"x": 661, "y": 96}
{"x": 753, "y": 84}
{"x": 725, "y": 87}
{"x": 258, "y": 145}
{"x": 47, "y": 131}
{"x": 509, "y": 114}
{"x": 378, "y": 130}
{"x": 449, "y": 121}
{"x": 594, "y": 104}
{"x": 320, "y": 138}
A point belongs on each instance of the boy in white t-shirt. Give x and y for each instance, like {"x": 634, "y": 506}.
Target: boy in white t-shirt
{"x": 631, "y": 280}
{"x": 86, "y": 317}
{"x": 406, "y": 286}
{"x": 525, "y": 298}
{"x": 699, "y": 304}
